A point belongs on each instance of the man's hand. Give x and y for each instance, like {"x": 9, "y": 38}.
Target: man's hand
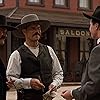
{"x": 36, "y": 84}
{"x": 52, "y": 88}
{"x": 67, "y": 95}
{"x": 10, "y": 83}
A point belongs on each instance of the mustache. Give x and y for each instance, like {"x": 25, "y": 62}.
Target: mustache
{"x": 37, "y": 34}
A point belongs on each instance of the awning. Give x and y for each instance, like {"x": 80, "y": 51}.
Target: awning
{"x": 56, "y": 18}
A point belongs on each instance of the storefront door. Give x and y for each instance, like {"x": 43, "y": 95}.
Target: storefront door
{"x": 71, "y": 57}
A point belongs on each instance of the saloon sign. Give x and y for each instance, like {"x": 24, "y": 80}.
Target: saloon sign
{"x": 73, "y": 32}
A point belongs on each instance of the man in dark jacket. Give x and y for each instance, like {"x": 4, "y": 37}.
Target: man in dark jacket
{"x": 90, "y": 84}
{"x": 3, "y": 30}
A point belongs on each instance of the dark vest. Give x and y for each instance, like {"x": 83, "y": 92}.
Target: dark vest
{"x": 36, "y": 67}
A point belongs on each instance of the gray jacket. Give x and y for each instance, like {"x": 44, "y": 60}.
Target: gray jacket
{"x": 90, "y": 84}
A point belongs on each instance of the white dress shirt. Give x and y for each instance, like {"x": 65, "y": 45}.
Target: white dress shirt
{"x": 14, "y": 69}
{"x": 98, "y": 41}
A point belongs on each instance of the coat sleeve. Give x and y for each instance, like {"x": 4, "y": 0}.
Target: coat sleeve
{"x": 91, "y": 86}
{"x": 78, "y": 95}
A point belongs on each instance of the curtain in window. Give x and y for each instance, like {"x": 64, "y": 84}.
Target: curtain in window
{"x": 60, "y": 2}
{"x": 84, "y": 3}
{"x": 34, "y": 0}
{"x": 1, "y": 1}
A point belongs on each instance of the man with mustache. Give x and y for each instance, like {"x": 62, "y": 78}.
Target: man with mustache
{"x": 34, "y": 66}
{"x": 3, "y": 35}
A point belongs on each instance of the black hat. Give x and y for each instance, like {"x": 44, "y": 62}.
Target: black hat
{"x": 3, "y": 23}
{"x": 29, "y": 19}
{"x": 95, "y": 15}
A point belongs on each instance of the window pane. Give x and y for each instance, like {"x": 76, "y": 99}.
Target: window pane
{"x": 84, "y": 3}
{"x": 60, "y": 48}
{"x": 84, "y": 48}
{"x": 1, "y": 1}
{"x": 59, "y": 2}
{"x": 37, "y": 1}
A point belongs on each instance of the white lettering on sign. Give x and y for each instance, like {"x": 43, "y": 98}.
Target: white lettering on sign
{"x": 73, "y": 32}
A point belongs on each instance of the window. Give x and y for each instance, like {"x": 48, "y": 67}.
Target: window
{"x": 61, "y": 3}
{"x": 1, "y": 1}
{"x": 85, "y": 4}
{"x": 60, "y": 48}
{"x": 34, "y": 2}
{"x": 84, "y": 49}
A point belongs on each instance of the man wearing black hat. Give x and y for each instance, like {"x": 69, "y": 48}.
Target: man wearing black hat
{"x": 34, "y": 66}
{"x": 90, "y": 84}
{"x": 3, "y": 34}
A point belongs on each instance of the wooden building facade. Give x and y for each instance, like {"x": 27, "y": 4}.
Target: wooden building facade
{"x": 68, "y": 34}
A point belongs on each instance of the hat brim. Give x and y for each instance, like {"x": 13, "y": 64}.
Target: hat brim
{"x": 9, "y": 28}
{"x": 91, "y": 17}
{"x": 45, "y": 24}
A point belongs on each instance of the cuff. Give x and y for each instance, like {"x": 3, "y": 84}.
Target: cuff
{"x": 71, "y": 93}
{"x": 26, "y": 82}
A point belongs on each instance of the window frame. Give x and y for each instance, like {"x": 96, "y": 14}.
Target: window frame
{"x": 85, "y": 8}
{"x": 66, "y": 5}
{"x": 41, "y": 3}
{"x": 2, "y": 4}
